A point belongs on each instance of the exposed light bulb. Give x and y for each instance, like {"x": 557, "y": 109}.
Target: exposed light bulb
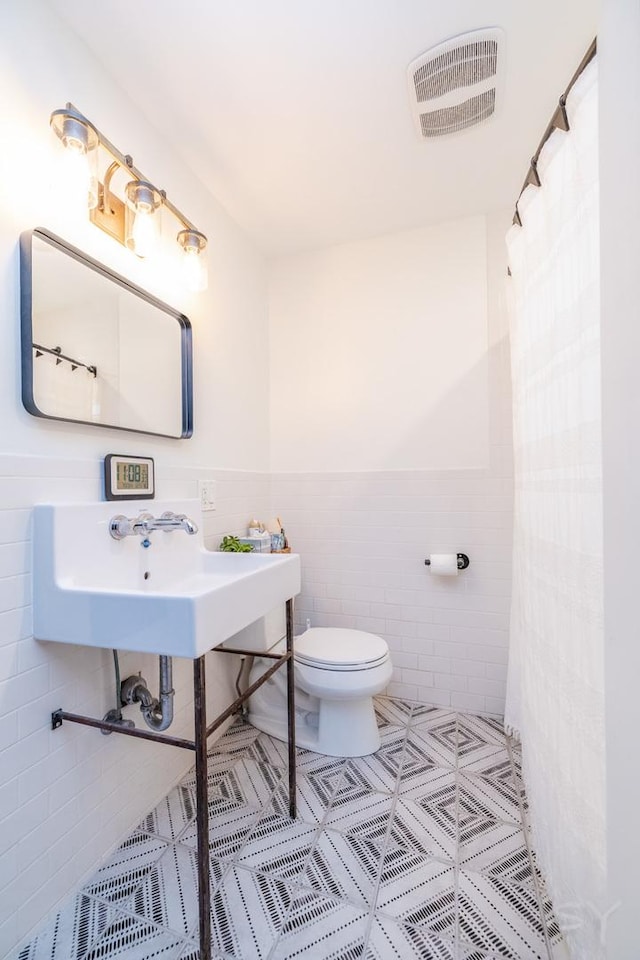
{"x": 80, "y": 140}
{"x": 81, "y": 182}
{"x": 194, "y": 270}
{"x": 194, "y": 261}
{"x": 144, "y": 233}
{"x": 142, "y": 217}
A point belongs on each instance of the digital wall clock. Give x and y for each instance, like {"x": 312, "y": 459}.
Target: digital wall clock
{"x": 128, "y": 478}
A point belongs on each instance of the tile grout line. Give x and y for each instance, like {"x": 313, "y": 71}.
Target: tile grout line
{"x": 385, "y": 844}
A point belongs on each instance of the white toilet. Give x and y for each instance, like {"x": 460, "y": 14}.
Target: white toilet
{"x": 337, "y": 673}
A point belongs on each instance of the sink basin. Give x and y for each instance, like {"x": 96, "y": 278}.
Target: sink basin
{"x": 175, "y": 597}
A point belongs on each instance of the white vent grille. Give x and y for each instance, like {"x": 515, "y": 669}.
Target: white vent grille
{"x": 453, "y": 86}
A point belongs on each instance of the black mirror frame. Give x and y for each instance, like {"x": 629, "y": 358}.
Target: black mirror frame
{"x": 26, "y": 289}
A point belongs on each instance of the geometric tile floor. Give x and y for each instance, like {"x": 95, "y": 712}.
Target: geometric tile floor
{"x": 417, "y": 851}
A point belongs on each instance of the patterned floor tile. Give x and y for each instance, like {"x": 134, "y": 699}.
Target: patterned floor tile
{"x": 500, "y": 917}
{"x": 130, "y": 939}
{"x": 217, "y": 766}
{"x": 559, "y": 949}
{"x": 416, "y": 764}
{"x": 247, "y": 911}
{"x": 74, "y": 929}
{"x": 313, "y": 796}
{"x": 278, "y": 847}
{"x": 389, "y": 940}
{"x": 476, "y": 953}
{"x": 486, "y": 799}
{"x": 516, "y": 757}
{"x": 387, "y": 826}
{"x": 269, "y": 750}
{"x": 515, "y": 745}
{"x": 192, "y": 952}
{"x": 497, "y": 849}
{"x": 344, "y": 867}
{"x": 489, "y": 761}
{"x": 126, "y": 869}
{"x": 424, "y": 715}
{"x": 318, "y": 927}
{"x": 476, "y": 728}
{"x": 391, "y": 733}
{"x": 366, "y": 816}
{"x": 249, "y": 783}
{"x": 236, "y": 739}
{"x": 169, "y": 895}
{"x": 229, "y": 826}
{"x": 329, "y": 767}
{"x": 429, "y": 785}
{"x": 392, "y": 711}
{"x": 380, "y": 770}
{"x": 481, "y": 746}
{"x": 418, "y": 892}
{"x": 171, "y": 815}
{"x": 434, "y": 742}
{"x": 431, "y": 830}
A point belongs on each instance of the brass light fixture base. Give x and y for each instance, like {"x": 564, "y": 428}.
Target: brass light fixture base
{"x": 111, "y": 220}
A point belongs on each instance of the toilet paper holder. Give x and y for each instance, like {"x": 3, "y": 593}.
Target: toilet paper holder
{"x": 462, "y": 558}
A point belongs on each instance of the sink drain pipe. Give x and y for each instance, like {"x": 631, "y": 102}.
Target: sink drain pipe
{"x": 157, "y": 712}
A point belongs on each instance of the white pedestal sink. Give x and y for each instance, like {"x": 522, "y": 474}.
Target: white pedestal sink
{"x": 173, "y": 598}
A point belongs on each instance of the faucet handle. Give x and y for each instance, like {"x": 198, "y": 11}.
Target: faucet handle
{"x": 120, "y": 527}
{"x": 143, "y": 524}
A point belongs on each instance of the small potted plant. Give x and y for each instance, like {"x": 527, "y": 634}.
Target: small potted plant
{"x": 230, "y": 544}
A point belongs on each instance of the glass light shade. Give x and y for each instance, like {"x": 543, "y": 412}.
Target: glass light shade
{"x": 142, "y": 217}
{"x": 80, "y": 140}
{"x": 194, "y": 260}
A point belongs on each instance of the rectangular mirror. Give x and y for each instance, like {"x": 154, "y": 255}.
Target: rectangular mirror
{"x": 97, "y": 349}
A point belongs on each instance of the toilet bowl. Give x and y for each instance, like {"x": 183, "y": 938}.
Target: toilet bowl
{"x": 337, "y": 674}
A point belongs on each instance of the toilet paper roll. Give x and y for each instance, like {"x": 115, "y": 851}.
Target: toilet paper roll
{"x": 444, "y": 564}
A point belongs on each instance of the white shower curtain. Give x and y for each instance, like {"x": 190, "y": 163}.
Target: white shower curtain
{"x": 555, "y": 685}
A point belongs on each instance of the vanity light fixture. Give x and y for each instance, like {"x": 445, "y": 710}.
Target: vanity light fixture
{"x": 135, "y": 220}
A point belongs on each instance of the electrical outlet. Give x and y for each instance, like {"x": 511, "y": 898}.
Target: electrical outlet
{"x": 207, "y": 491}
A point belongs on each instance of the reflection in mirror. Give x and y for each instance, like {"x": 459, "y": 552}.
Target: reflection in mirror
{"x": 97, "y": 349}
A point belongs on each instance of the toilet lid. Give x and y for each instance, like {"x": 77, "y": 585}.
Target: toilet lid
{"x": 322, "y": 646}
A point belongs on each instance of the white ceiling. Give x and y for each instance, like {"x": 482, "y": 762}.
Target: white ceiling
{"x": 295, "y": 113}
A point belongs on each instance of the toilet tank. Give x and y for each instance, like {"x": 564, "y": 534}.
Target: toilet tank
{"x": 262, "y": 634}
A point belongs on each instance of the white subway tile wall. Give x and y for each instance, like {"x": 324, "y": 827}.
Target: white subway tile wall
{"x": 68, "y": 796}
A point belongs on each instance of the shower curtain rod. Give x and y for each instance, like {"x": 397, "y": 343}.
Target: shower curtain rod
{"x": 559, "y": 121}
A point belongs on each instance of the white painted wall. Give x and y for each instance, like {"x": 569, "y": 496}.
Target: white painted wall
{"x": 391, "y": 439}
{"x": 379, "y": 353}
{"x": 66, "y": 798}
{"x": 619, "y": 71}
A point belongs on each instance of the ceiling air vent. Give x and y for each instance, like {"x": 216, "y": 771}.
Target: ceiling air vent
{"x": 453, "y": 86}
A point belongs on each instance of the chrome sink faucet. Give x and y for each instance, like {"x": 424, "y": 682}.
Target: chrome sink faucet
{"x": 145, "y": 523}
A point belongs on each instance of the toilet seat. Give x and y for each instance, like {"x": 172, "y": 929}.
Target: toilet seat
{"x": 332, "y": 648}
